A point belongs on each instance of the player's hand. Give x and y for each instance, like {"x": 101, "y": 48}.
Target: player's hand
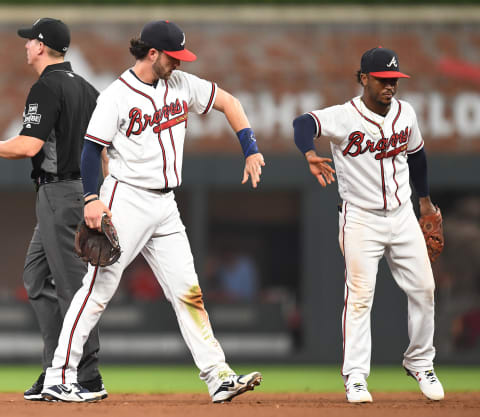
{"x": 253, "y": 168}
{"x": 426, "y": 206}
{"x": 320, "y": 169}
{"x": 93, "y": 213}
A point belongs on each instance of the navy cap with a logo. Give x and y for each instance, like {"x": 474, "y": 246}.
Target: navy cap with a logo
{"x": 167, "y": 37}
{"x": 52, "y": 32}
{"x": 381, "y": 63}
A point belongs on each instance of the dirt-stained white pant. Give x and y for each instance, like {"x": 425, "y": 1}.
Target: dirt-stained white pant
{"x": 365, "y": 236}
{"x": 148, "y": 222}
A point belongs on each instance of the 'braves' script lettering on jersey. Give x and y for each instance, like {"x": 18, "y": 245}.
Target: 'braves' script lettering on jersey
{"x": 357, "y": 138}
{"x": 139, "y": 121}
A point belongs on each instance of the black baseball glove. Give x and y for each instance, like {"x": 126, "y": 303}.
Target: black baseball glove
{"x": 98, "y": 248}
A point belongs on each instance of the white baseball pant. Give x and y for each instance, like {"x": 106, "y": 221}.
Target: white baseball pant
{"x": 148, "y": 222}
{"x": 365, "y": 236}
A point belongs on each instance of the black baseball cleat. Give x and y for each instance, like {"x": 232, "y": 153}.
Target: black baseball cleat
{"x": 34, "y": 393}
{"x": 95, "y": 386}
{"x": 235, "y": 385}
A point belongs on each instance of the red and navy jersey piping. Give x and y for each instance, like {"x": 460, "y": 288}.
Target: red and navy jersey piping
{"x": 346, "y": 286}
{"x": 210, "y": 101}
{"x": 159, "y": 133}
{"x": 317, "y": 122}
{"x": 98, "y": 140}
{"x": 367, "y": 119}
{"x": 395, "y": 180}
{"x": 171, "y": 139}
{"x": 397, "y": 116}
{"x": 393, "y": 158}
{"x": 384, "y": 194}
{"x": 139, "y": 92}
{"x": 416, "y": 149}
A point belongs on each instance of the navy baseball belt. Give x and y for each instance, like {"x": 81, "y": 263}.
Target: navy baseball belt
{"x": 155, "y": 190}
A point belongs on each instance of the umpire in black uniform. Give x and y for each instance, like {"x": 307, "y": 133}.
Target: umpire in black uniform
{"x": 55, "y": 119}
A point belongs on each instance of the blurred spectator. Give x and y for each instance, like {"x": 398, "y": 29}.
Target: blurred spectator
{"x": 231, "y": 275}
{"x": 238, "y": 276}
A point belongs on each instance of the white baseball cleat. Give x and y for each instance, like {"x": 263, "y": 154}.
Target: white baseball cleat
{"x": 235, "y": 385}
{"x": 70, "y": 393}
{"x": 429, "y": 384}
{"x": 356, "y": 390}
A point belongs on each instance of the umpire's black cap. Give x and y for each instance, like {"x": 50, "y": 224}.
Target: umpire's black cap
{"x": 167, "y": 37}
{"x": 52, "y": 32}
{"x": 381, "y": 63}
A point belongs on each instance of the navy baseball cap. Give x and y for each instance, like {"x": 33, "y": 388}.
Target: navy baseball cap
{"x": 52, "y": 32}
{"x": 381, "y": 63}
{"x": 167, "y": 37}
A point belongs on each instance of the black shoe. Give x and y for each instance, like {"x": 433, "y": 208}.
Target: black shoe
{"x": 95, "y": 385}
{"x": 35, "y": 392}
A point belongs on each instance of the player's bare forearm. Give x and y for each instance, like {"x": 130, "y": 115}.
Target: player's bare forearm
{"x": 231, "y": 107}
{"x": 253, "y": 168}
{"x": 320, "y": 168}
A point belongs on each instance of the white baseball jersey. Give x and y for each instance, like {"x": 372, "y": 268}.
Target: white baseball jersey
{"x": 144, "y": 126}
{"x": 370, "y": 151}
{"x": 377, "y": 219}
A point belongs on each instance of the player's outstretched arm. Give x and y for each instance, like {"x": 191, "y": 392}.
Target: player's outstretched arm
{"x": 304, "y": 129}
{"x": 231, "y": 107}
{"x": 320, "y": 168}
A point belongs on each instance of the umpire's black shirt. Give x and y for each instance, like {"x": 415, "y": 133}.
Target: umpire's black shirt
{"x": 58, "y": 109}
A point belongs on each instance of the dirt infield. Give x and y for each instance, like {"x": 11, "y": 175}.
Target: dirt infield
{"x": 251, "y": 404}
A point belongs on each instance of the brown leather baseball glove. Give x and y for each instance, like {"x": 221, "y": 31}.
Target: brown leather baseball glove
{"x": 432, "y": 228}
{"x": 98, "y": 248}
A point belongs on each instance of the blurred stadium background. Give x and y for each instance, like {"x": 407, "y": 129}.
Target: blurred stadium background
{"x": 268, "y": 260}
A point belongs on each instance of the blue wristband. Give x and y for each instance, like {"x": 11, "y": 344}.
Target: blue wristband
{"x": 248, "y": 141}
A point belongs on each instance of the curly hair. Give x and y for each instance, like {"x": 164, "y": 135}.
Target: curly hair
{"x": 138, "y": 48}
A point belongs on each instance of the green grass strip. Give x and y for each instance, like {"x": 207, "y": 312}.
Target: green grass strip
{"x": 277, "y": 378}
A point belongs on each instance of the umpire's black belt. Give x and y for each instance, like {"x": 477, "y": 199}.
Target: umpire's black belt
{"x": 47, "y": 178}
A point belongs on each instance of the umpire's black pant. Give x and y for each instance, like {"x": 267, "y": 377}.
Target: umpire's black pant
{"x": 53, "y": 273}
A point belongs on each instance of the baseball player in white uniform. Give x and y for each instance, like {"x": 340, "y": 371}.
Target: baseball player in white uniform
{"x": 141, "y": 119}
{"x": 377, "y": 147}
